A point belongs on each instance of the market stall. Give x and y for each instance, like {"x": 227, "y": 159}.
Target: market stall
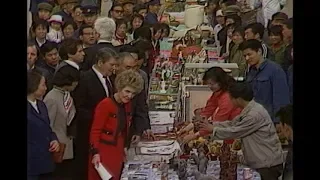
{"x": 176, "y": 91}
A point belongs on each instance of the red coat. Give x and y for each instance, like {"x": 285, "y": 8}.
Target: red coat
{"x": 108, "y": 135}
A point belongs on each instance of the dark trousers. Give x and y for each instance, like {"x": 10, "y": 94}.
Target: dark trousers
{"x": 47, "y": 176}
{"x": 272, "y": 173}
{"x": 65, "y": 170}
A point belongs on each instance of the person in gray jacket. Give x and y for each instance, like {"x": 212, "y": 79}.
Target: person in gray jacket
{"x": 260, "y": 143}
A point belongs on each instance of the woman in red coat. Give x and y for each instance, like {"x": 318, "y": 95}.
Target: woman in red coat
{"x": 219, "y": 106}
{"x": 111, "y": 124}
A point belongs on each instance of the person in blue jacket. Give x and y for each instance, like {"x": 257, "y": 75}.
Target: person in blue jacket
{"x": 42, "y": 141}
{"x": 268, "y": 80}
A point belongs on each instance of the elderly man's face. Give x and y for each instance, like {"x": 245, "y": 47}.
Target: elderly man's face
{"x": 128, "y": 63}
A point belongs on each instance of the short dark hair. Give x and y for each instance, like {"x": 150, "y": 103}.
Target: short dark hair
{"x": 139, "y": 7}
{"x": 228, "y": 2}
{"x": 65, "y": 76}
{"x": 40, "y": 22}
{"x": 165, "y": 26}
{"x": 241, "y": 90}
{"x": 288, "y": 23}
{"x": 69, "y": 46}
{"x": 240, "y": 30}
{"x": 104, "y": 54}
{"x": 128, "y": 48}
{"x": 34, "y": 78}
{"x": 143, "y": 32}
{"x": 70, "y": 22}
{"x": 47, "y": 47}
{"x": 156, "y": 27}
{"x": 275, "y": 30}
{"x": 251, "y": 44}
{"x": 76, "y": 7}
{"x": 256, "y": 28}
{"x": 84, "y": 26}
{"x": 285, "y": 114}
{"x": 219, "y": 76}
{"x": 279, "y": 15}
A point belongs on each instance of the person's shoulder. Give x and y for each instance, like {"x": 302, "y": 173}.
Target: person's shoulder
{"x": 274, "y": 66}
{"x": 258, "y": 111}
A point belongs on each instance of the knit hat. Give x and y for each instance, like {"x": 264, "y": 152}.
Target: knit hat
{"x": 56, "y": 18}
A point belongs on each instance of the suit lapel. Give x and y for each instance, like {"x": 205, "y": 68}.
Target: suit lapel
{"x": 41, "y": 115}
{"x": 97, "y": 83}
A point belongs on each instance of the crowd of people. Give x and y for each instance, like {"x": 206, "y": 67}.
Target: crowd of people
{"x": 88, "y": 78}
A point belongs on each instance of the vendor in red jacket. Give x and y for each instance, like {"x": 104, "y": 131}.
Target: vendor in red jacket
{"x": 111, "y": 125}
{"x": 219, "y": 106}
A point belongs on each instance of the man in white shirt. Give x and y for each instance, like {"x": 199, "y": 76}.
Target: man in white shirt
{"x": 221, "y": 20}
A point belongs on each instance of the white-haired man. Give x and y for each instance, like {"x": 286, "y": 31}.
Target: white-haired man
{"x": 105, "y": 28}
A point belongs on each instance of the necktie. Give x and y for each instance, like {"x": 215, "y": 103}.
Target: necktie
{"x": 109, "y": 85}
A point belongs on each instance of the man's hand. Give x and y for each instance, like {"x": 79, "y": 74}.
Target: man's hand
{"x": 135, "y": 139}
{"x": 149, "y": 134}
{"x": 206, "y": 126}
{"x": 54, "y": 146}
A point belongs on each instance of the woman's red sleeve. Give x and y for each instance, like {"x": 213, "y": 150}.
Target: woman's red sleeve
{"x": 99, "y": 120}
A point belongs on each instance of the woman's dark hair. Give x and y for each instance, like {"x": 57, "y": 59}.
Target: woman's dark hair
{"x": 67, "y": 23}
{"x": 156, "y": 27}
{"x": 240, "y": 30}
{"x": 285, "y": 114}
{"x": 289, "y": 23}
{"x": 218, "y": 75}
{"x": 119, "y": 22}
{"x": 135, "y": 15}
{"x": 40, "y": 22}
{"x": 69, "y": 46}
{"x": 143, "y": 32}
{"x": 65, "y": 76}
{"x": 165, "y": 26}
{"x": 241, "y": 90}
{"x": 34, "y": 78}
{"x": 251, "y": 44}
{"x": 276, "y": 31}
{"x": 236, "y": 18}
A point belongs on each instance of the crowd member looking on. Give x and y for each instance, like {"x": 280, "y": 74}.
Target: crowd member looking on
{"x": 140, "y": 9}
{"x": 108, "y": 138}
{"x": 277, "y": 46}
{"x": 260, "y": 142}
{"x": 153, "y": 9}
{"x": 268, "y": 80}
{"x": 105, "y": 29}
{"x": 285, "y": 126}
{"x": 61, "y": 110}
{"x": 116, "y": 11}
{"x": 256, "y": 31}
{"x": 236, "y": 55}
{"x": 42, "y": 141}
{"x": 287, "y": 32}
{"x": 39, "y": 30}
{"x": 68, "y": 29}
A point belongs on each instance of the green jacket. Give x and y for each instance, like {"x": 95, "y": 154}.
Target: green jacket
{"x": 278, "y": 54}
{"x": 236, "y": 56}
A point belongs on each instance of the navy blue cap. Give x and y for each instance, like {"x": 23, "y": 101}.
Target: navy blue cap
{"x": 89, "y": 10}
{"x": 153, "y": 2}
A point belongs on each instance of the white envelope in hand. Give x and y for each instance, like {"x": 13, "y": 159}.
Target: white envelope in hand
{"x": 103, "y": 172}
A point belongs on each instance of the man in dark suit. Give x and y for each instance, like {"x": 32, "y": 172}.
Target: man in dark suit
{"x": 105, "y": 28}
{"x": 94, "y": 85}
{"x": 140, "y": 116}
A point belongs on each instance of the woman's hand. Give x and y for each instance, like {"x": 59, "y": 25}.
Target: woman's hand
{"x": 54, "y": 146}
{"x": 96, "y": 160}
{"x": 189, "y": 137}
